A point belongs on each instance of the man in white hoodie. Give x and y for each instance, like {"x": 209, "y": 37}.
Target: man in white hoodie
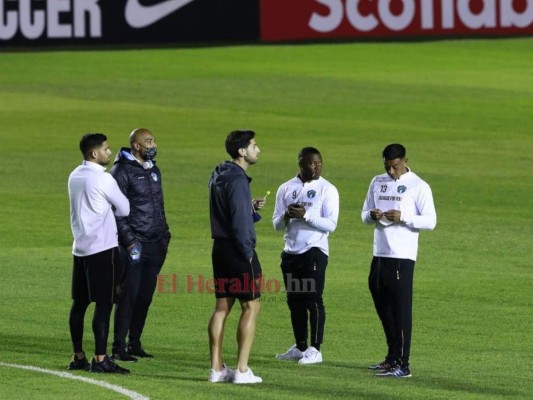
{"x": 399, "y": 204}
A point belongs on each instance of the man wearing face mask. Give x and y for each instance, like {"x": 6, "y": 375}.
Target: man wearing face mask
{"x": 143, "y": 237}
{"x": 307, "y": 209}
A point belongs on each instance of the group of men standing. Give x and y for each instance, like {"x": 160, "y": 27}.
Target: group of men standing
{"x": 399, "y": 204}
{"x": 121, "y": 239}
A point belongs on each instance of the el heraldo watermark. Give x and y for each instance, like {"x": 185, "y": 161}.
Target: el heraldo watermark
{"x": 189, "y": 283}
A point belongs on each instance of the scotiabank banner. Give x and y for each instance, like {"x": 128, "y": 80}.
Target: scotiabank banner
{"x": 71, "y": 22}
{"x": 313, "y": 19}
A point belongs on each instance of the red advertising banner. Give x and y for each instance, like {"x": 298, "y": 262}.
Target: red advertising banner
{"x": 287, "y": 20}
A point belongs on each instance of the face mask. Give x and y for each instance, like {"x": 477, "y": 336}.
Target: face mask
{"x": 149, "y": 153}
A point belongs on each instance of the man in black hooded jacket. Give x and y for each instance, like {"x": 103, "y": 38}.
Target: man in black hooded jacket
{"x": 143, "y": 237}
{"x": 236, "y": 267}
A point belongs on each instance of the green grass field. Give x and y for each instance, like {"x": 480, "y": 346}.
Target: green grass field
{"x": 463, "y": 109}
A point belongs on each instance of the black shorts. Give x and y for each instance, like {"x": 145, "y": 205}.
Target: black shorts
{"x": 235, "y": 276}
{"x": 98, "y": 278}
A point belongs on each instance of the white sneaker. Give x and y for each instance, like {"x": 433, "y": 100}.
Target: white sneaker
{"x": 246, "y": 377}
{"x": 224, "y": 375}
{"x": 311, "y": 356}
{"x": 294, "y": 353}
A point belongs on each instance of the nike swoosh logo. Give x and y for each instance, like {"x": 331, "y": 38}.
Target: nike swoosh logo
{"x": 141, "y": 16}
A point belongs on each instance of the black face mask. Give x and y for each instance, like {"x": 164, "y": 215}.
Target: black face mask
{"x": 149, "y": 153}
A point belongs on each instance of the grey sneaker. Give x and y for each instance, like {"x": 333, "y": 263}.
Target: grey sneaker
{"x": 294, "y": 353}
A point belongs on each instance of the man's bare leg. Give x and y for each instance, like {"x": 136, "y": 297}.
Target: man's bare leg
{"x": 216, "y": 330}
{"x": 246, "y": 331}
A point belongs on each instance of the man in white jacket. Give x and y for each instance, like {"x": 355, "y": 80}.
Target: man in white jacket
{"x": 399, "y": 204}
{"x": 307, "y": 209}
{"x": 95, "y": 199}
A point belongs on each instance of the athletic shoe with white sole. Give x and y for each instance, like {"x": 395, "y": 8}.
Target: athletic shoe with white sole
{"x": 398, "y": 372}
{"x": 246, "y": 377}
{"x": 294, "y": 353}
{"x": 311, "y": 356}
{"x": 224, "y": 375}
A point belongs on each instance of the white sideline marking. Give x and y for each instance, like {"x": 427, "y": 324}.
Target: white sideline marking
{"x": 129, "y": 393}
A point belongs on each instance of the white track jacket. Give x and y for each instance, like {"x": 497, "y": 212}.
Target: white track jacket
{"x": 408, "y": 194}
{"x": 93, "y": 195}
{"x": 321, "y": 201}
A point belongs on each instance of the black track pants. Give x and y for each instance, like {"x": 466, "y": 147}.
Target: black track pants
{"x": 304, "y": 277}
{"x": 391, "y": 285}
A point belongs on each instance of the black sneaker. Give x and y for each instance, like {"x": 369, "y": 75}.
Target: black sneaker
{"x": 107, "y": 366}
{"x": 398, "y": 372}
{"x": 123, "y": 355}
{"x": 383, "y": 366}
{"x": 79, "y": 363}
{"x": 138, "y": 351}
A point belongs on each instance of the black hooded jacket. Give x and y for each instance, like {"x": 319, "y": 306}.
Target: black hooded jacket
{"x": 146, "y": 221}
{"x": 230, "y": 203}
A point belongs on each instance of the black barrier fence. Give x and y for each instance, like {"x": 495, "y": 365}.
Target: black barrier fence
{"x": 26, "y": 23}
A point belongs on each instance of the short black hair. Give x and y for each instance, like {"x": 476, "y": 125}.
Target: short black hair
{"x": 307, "y": 150}
{"x": 393, "y": 151}
{"x": 238, "y": 139}
{"x": 91, "y": 141}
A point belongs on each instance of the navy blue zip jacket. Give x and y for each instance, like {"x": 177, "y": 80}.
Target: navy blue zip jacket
{"x": 142, "y": 187}
{"x": 230, "y": 204}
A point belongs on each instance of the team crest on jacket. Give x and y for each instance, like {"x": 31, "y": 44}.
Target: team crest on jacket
{"x": 311, "y": 194}
{"x": 154, "y": 176}
{"x": 402, "y": 189}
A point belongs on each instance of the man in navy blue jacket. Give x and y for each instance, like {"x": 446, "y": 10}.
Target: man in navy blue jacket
{"x": 143, "y": 237}
{"x": 236, "y": 268}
